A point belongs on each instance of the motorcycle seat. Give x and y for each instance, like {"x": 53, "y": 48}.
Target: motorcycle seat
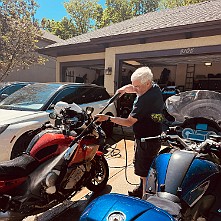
{"x": 19, "y": 167}
{"x": 169, "y": 196}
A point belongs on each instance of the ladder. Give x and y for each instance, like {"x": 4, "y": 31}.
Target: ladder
{"x": 190, "y": 72}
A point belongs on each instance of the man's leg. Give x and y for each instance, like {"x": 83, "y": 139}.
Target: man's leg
{"x": 137, "y": 191}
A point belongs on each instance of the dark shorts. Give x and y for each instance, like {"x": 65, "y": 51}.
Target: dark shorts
{"x": 145, "y": 152}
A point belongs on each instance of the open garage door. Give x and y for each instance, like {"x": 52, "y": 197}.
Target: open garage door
{"x": 91, "y": 71}
{"x": 196, "y": 68}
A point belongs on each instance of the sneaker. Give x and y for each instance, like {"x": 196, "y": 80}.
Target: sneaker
{"x": 137, "y": 192}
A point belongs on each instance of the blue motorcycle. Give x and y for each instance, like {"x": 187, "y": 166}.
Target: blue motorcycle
{"x": 183, "y": 184}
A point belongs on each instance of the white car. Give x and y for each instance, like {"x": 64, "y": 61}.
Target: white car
{"x": 26, "y": 110}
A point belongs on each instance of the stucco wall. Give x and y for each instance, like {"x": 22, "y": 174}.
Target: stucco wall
{"x": 36, "y": 73}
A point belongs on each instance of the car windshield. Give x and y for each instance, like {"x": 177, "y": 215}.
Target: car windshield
{"x": 31, "y": 97}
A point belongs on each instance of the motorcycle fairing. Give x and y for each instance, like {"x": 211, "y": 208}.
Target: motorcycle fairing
{"x": 181, "y": 173}
{"x": 129, "y": 207}
{"x": 178, "y": 166}
{"x": 196, "y": 181}
{"x": 170, "y": 169}
{"x": 48, "y": 144}
{"x": 158, "y": 176}
{"x": 89, "y": 147}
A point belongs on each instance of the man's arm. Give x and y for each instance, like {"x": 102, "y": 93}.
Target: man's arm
{"x": 126, "y": 89}
{"x": 127, "y": 122}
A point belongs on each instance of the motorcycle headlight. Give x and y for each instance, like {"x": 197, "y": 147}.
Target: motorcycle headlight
{"x": 116, "y": 216}
{"x": 3, "y": 128}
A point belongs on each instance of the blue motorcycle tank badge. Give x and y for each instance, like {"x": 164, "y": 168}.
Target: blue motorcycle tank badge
{"x": 117, "y": 216}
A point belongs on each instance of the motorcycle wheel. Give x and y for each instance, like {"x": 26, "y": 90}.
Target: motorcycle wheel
{"x": 99, "y": 174}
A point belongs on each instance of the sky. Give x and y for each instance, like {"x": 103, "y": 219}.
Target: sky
{"x": 53, "y": 9}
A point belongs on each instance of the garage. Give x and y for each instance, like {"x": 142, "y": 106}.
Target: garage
{"x": 187, "y": 68}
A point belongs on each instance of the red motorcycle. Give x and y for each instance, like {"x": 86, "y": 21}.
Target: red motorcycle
{"x": 56, "y": 165}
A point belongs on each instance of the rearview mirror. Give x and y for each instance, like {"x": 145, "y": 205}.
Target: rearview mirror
{"x": 52, "y": 115}
{"x": 89, "y": 110}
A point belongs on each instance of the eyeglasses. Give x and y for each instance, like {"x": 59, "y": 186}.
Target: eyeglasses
{"x": 140, "y": 85}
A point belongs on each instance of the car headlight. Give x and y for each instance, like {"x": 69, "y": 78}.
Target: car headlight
{"x": 3, "y": 128}
{"x": 116, "y": 216}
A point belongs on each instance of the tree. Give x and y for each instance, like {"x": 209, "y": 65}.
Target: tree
{"x": 82, "y": 13}
{"x": 141, "y": 7}
{"x": 121, "y": 10}
{"x": 64, "y": 29}
{"x": 176, "y": 3}
{"x": 18, "y": 36}
{"x": 116, "y": 11}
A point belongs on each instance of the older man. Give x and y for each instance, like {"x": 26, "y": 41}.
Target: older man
{"x": 146, "y": 119}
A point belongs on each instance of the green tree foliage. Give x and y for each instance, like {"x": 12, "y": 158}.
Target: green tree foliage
{"x": 18, "y": 36}
{"x": 116, "y": 11}
{"x": 140, "y": 7}
{"x": 120, "y": 10}
{"x": 64, "y": 29}
{"x": 82, "y": 13}
{"x": 98, "y": 16}
{"x": 176, "y": 3}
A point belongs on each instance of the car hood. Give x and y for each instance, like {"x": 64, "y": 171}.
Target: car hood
{"x": 14, "y": 116}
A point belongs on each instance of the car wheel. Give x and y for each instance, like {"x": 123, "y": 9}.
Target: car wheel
{"x": 20, "y": 145}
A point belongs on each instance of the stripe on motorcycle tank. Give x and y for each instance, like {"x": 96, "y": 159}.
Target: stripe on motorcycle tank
{"x": 179, "y": 164}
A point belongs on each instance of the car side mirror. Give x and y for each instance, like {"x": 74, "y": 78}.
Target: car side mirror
{"x": 3, "y": 96}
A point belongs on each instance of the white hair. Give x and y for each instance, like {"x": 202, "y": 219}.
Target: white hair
{"x": 143, "y": 74}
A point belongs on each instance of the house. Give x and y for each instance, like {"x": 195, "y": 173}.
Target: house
{"x": 181, "y": 45}
{"x": 39, "y": 73}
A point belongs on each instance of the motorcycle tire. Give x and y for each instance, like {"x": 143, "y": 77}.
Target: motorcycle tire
{"x": 99, "y": 174}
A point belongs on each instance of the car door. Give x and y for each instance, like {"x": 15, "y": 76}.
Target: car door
{"x": 71, "y": 94}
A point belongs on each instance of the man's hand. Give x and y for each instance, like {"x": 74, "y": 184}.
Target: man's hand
{"x": 126, "y": 89}
{"x": 101, "y": 117}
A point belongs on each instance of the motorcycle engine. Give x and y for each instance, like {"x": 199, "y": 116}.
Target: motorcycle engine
{"x": 75, "y": 176}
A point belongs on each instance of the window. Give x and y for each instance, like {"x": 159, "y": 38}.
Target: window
{"x": 82, "y": 95}
{"x": 11, "y": 89}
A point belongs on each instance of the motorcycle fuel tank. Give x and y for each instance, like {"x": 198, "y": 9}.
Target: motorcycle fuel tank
{"x": 181, "y": 173}
{"x": 117, "y": 207}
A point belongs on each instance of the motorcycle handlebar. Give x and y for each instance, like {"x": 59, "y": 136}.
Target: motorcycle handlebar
{"x": 207, "y": 145}
{"x": 167, "y": 138}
